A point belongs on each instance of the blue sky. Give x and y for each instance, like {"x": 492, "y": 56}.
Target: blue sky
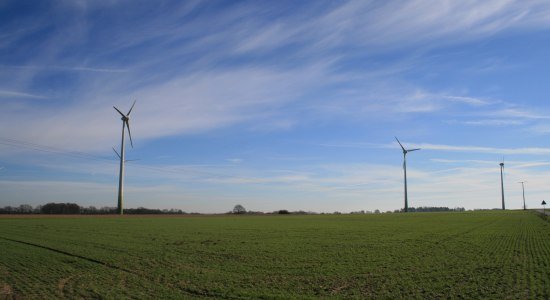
{"x": 275, "y": 104}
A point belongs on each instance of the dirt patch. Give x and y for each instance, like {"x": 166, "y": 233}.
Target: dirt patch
{"x": 62, "y": 283}
{"x": 6, "y": 290}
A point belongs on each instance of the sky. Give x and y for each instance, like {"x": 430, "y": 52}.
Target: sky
{"x": 275, "y": 104}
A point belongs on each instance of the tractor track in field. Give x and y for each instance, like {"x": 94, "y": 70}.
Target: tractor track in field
{"x": 71, "y": 255}
{"x": 191, "y": 291}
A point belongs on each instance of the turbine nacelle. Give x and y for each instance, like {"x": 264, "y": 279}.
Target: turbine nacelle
{"x": 126, "y": 121}
{"x": 405, "y": 151}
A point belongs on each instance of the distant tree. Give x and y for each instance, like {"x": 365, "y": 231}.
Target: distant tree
{"x": 239, "y": 209}
{"x": 60, "y": 208}
{"x": 433, "y": 209}
{"x": 376, "y": 211}
{"x": 25, "y": 209}
{"x": 92, "y": 210}
{"x": 107, "y": 210}
{"x": 283, "y": 212}
{"x": 143, "y": 211}
{"x": 6, "y": 210}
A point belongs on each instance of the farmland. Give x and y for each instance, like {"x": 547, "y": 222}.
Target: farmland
{"x": 489, "y": 254}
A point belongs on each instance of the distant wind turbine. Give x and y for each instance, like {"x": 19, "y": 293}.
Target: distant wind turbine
{"x": 405, "y": 151}
{"x": 502, "y": 182}
{"x": 125, "y": 124}
{"x": 523, "y": 189}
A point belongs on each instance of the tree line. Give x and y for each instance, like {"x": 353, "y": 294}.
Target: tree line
{"x": 239, "y": 210}
{"x": 73, "y": 208}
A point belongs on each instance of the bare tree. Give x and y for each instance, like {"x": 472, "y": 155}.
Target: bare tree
{"x": 25, "y": 209}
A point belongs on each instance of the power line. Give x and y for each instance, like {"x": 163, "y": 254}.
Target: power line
{"x": 50, "y": 149}
{"x": 84, "y": 155}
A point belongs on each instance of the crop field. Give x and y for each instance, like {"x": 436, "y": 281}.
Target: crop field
{"x": 489, "y": 254}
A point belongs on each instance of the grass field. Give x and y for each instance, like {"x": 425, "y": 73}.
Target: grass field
{"x": 421, "y": 255}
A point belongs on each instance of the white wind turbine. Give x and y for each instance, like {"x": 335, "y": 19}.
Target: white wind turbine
{"x": 523, "y": 189}
{"x": 502, "y": 182}
{"x": 405, "y": 151}
{"x": 125, "y": 124}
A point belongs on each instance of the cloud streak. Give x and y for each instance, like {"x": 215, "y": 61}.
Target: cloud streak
{"x": 12, "y": 94}
{"x": 477, "y": 149}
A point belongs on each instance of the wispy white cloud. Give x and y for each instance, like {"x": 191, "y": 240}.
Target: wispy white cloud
{"x": 469, "y": 100}
{"x": 67, "y": 68}
{"x": 462, "y": 161}
{"x": 493, "y": 122}
{"x": 235, "y": 160}
{"x": 392, "y": 23}
{"x": 217, "y": 97}
{"x": 13, "y": 94}
{"x": 539, "y": 129}
{"x": 188, "y": 104}
{"x": 477, "y": 149}
{"x": 445, "y": 148}
{"x": 516, "y": 164}
{"x": 520, "y": 113}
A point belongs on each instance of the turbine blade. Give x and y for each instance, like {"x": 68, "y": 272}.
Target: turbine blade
{"x": 131, "y": 108}
{"x": 119, "y": 111}
{"x": 400, "y": 144}
{"x": 129, "y": 133}
{"x": 116, "y": 153}
{"x": 413, "y": 150}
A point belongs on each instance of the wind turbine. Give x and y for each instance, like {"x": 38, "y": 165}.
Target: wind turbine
{"x": 405, "y": 151}
{"x": 125, "y": 123}
{"x": 523, "y": 188}
{"x": 502, "y": 182}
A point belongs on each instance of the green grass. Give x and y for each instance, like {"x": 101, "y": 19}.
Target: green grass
{"x": 422, "y": 255}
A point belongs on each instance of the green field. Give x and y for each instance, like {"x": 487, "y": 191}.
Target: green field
{"x": 421, "y": 255}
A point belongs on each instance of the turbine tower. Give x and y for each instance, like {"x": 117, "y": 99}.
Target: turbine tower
{"x": 502, "y": 183}
{"x": 405, "y": 151}
{"x": 125, "y": 123}
{"x": 523, "y": 189}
